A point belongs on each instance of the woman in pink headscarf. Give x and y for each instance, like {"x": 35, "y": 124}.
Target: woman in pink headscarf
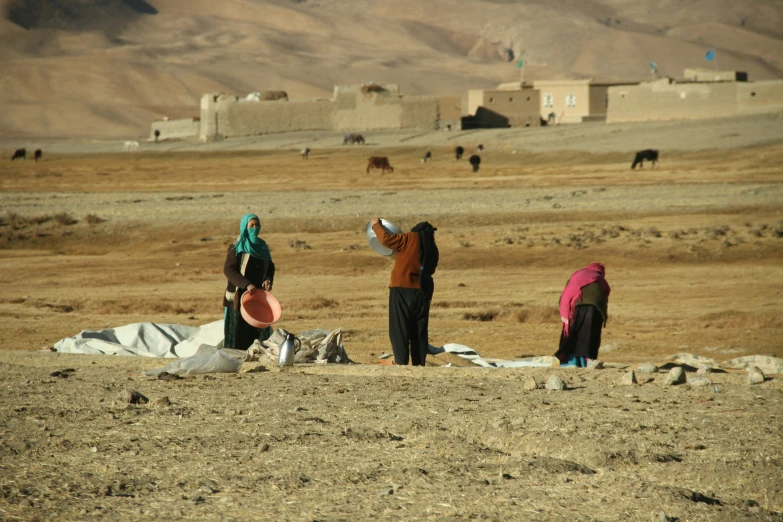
{"x": 583, "y": 311}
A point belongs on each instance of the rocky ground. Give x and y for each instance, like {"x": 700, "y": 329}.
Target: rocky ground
{"x": 91, "y": 240}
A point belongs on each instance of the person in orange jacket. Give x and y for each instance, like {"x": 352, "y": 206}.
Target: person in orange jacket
{"x": 410, "y": 289}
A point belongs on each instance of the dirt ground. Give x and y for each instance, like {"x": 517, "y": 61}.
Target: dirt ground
{"x": 91, "y": 239}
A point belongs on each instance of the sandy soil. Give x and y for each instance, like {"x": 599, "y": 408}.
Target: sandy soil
{"x": 93, "y": 239}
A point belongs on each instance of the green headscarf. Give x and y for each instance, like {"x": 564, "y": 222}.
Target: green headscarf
{"x": 248, "y": 241}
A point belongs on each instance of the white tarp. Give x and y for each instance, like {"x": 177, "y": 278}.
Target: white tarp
{"x": 145, "y": 340}
{"x": 466, "y": 352}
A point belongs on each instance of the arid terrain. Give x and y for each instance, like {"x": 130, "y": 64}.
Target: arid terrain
{"x": 92, "y": 238}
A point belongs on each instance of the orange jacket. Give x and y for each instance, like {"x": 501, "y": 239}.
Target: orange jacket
{"x": 406, "y": 266}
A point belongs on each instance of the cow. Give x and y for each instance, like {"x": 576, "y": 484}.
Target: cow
{"x": 379, "y": 162}
{"x": 427, "y": 156}
{"x": 38, "y": 154}
{"x": 479, "y": 147}
{"x": 475, "y": 160}
{"x": 458, "y": 152}
{"x": 20, "y": 153}
{"x": 130, "y": 146}
{"x": 305, "y": 153}
{"x": 157, "y": 135}
{"x": 642, "y": 155}
{"x": 353, "y": 139}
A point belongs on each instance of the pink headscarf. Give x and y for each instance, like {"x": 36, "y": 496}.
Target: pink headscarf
{"x": 594, "y": 272}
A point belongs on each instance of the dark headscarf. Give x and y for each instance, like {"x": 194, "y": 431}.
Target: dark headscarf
{"x": 428, "y": 256}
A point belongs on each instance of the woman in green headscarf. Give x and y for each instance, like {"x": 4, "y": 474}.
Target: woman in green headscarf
{"x": 248, "y": 267}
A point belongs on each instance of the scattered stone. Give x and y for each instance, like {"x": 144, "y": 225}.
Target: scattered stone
{"x": 555, "y": 383}
{"x": 699, "y": 381}
{"x": 704, "y": 370}
{"x": 628, "y": 379}
{"x": 166, "y": 376}
{"x": 755, "y": 375}
{"x": 647, "y": 368}
{"x": 263, "y": 447}
{"x": 663, "y": 517}
{"x": 676, "y": 376}
{"x": 529, "y": 384}
{"x": 595, "y": 364}
{"x": 131, "y": 397}
{"x": 386, "y": 492}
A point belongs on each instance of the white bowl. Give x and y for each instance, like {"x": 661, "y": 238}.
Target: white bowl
{"x": 373, "y": 240}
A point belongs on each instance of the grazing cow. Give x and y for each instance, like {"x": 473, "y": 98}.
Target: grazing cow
{"x": 379, "y": 162}
{"x": 353, "y": 139}
{"x": 642, "y": 155}
{"x": 157, "y": 135}
{"x": 479, "y": 147}
{"x": 427, "y": 156}
{"x": 38, "y": 154}
{"x": 130, "y": 146}
{"x": 458, "y": 152}
{"x": 475, "y": 160}
{"x": 306, "y": 153}
{"x": 20, "y": 153}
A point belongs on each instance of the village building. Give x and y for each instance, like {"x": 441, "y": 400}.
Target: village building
{"x": 702, "y": 94}
{"x": 574, "y": 101}
{"x": 510, "y": 105}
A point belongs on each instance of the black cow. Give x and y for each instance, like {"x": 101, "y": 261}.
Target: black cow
{"x": 20, "y": 153}
{"x": 475, "y": 160}
{"x": 458, "y": 152}
{"x": 642, "y": 155}
{"x": 353, "y": 139}
{"x": 37, "y": 155}
{"x": 427, "y": 156}
{"x": 157, "y": 135}
{"x": 480, "y": 147}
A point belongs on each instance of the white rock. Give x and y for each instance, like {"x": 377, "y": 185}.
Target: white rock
{"x": 647, "y": 368}
{"x": 676, "y": 376}
{"x": 529, "y": 384}
{"x": 595, "y": 364}
{"x": 704, "y": 370}
{"x": 628, "y": 379}
{"x": 555, "y": 383}
{"x": 699, "y": 380}
{"x": 755, "y": 375}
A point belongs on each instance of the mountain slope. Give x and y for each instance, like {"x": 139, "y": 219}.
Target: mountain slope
{"x": 108, "y": 67}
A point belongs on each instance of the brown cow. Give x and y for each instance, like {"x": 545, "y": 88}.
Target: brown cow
{"x": 379, "y": 162}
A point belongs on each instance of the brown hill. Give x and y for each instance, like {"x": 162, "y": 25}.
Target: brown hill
{"x": 78, "y": 68}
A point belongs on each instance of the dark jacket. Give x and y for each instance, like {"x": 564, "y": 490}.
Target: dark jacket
{"x": 257, "y": 272}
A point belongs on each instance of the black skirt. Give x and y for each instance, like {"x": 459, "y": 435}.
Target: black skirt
{"x": 584, "y": 337}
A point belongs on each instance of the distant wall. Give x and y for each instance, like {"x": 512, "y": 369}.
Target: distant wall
{"x": 760, "y": 97}
{"x": 247, "y": 118}
{"x": 169, "y": 129}
{"x": 367, "y": 110}
{"x": 664, "y": 100}
{"x": 449, "y": 112}
{"x": 352, "y": 108}
{"x": 711, "y": 75}
{"x": 598, "y": 100}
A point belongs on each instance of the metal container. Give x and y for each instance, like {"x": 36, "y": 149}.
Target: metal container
{"x": 373, "y": 240}
{"x": 288, "y": 349}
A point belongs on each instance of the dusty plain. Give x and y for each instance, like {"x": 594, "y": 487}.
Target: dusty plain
{"x": 92, "y": 238}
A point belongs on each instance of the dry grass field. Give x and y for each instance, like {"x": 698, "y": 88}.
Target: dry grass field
{"x": 91, "y": 239}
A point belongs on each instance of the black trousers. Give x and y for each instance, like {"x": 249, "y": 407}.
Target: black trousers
{"x": 409, "y": 317}
{"x": 584, "y": 336}
{"x": 240, "y": 335}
